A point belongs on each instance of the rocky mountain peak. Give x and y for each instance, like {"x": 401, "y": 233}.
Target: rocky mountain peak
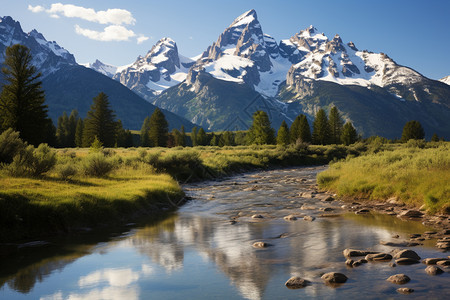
{"x": 335, "y": 45}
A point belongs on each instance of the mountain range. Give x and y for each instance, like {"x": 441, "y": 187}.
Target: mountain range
{"x": 245, "y": 70}
{"x": 69, "y": 86}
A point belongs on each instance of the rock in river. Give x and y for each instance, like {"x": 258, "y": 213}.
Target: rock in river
{"x": 260, "y": 245}
{"x": 411, "y": 214}
{"x": 290, "y": 218}
{"x": 296, "y": 282}
{"x": 309, "y": 218}
{"x": 406, "y": 253}
{"x": 399, "y": 279}
{"x": 352, "y": 252}
{"x": 432, "y": 261}
{"x": 405, "y": 291}
{"x": 433, "y": 270}
{"x": 257, "y": 217}
{"x": 378, "y": 257}
{"x": 333, "y": 277}
{"x": 406, "y": 261}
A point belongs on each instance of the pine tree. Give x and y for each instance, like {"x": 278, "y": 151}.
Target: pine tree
{"x": 434, "y": 138}
{"x": 202, "y": 140}
{"x": 349, "y": 135}
{"x": 194, "y": 136}
{"x": 72, "y": 128}
{"x": 121, "y": 134}
{"x": 294, "y": 132}
{"x": 79, "y": 133}
{"x": 183, "y": 136}
{"x": 412, "y": 130}
{"x": 283, "y": 134}
{"x": 321, "y": 129}
{"x": 305, "y": 130}
{"x": 145, "y": 139}
{"x": 100, "y": 123}
{"x": 335, "y": 123}
{"x": 261, "y": 132}
{"x": 227, "y": 138}
{"x": 22, "y": 98}
{"x": 158, "y": 129}
{"x": 62, "y": 131}
{"x": 215, "y": 140}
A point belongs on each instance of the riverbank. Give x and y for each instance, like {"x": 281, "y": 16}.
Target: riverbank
{"x": 402, "y": 174}
{"x": 126, "y": 184}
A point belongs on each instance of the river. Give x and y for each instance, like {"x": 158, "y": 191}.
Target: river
{"x": 204, "y": 250}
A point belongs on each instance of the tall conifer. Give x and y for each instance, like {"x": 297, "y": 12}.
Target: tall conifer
{"x": 321, "y": 129}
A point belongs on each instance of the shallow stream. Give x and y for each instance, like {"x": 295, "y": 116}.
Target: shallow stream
{"x": 204, "y": 251}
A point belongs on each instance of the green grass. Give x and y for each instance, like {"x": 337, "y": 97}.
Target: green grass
{"x": 415, "y": 175}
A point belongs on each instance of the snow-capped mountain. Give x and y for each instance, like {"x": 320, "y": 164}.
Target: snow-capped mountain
{"x": 102, "y": 68}
{"x": 161, "y": 68}
{"x": 445, "y": 80}
{"x": 48, "y": 57}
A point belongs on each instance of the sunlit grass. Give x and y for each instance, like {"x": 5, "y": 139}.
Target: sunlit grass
{"x": 416, "y": 176}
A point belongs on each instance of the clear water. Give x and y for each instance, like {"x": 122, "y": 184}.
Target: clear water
{"x": 198, "y": 253}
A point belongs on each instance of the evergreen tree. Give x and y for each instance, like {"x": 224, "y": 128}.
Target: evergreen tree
{"x": 413, "y": 130}
{"x": 261, "y": 132}
{"x": 62, "y": 131}
{"x": 159, "y": 129}
{"x": 335, "y": 124}
{"x": 349, "y": 134}
{"x": 435, "y": 138}
{"x": 79, "y": 133}
{"x": 183, "y": 136}
{"x": 145, "y": 139}
{"x": 22, "y": 98}
{"x": 72, "y": 128}
{"x": 227, "y": 138}
{"x": 215, "y": 140}
{"x": 305, "y": 130}
{"x": 202, "y": 139}
{"x": 321, "y": 129}
{"x": 100, "y": 123}
{"x": 194, "y": 136}
{"x": 121, "y": 134}
{"x": 283, "y": 134}
{"x": 294, "y": 132}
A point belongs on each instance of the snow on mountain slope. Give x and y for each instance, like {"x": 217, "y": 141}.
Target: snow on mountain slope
{"x": 48, "y": 57}
{"x": 160, "y": 69}
{"x": 445, "y": 80}
{"x": 103, "y": 68}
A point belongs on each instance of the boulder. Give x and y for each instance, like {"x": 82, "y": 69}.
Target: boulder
{"x": 405, "y": 291}
{"x": 306, "y": 207}
{"x": 290, "y": 218}
{"x": 443, "y": 263}
{"x": 349, "y": 262}
{"x": 443, "y": 244}
{"x": 410, "y": 213}
{"x": 296, "y": 283}
{"x": 309, "y": 218}
{"x": 406, "y": 261}
{"x": 260, "y": 244}
{"x": 257, "y": 217}
{"x": 326, "y": 209}
{"x": 334, "y": 277}
{"x": 393, "y": 265}
{"x": 356, "y": 263}
{"x": 406, "y": 254}
{"x": 328, "y": 199}
{"x": 399, "y": 279}
{"x": 433, "y": 270}
{"x": 378, "y": 257}
{"x": 352, "y": 252}
{"x": 432, "y": 261}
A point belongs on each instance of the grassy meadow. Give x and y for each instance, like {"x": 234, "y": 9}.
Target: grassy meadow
{"x": 416, "y": 173}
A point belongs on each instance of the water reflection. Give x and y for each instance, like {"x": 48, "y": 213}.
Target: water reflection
{"x": 198, "y": 253}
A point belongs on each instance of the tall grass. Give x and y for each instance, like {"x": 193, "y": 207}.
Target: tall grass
{"x": 415, "y": 175}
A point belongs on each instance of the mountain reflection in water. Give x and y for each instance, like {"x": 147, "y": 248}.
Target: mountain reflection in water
{"x": 198, "y": 253}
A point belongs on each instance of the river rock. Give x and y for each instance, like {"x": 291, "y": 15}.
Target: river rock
{"x": 306, "y": 195}
{"x": 349, "y": 262}
{"x": 433, "y": 270}
{"x": 443, "y": 244}
{"x": 432, "y": 261}
{"x": 356, "y": 263}
{"x": 399, "y": 244}
{"x": 378, "y": 257}
{"x": 296, "y": 283}
{"x": 405, "y": 291}
{"x": 406, "y": 253}
{"x": 334, "y": 277}
{"x": 257, "y": 217}
{"x": 399, "y": 279}
{"x": 406, "y": 261}
{"x": 328, "y": 199}
{"x": 362, "y": 211}
{"x": 352, "y": 252}
{"x": 443, "y": 263}
{"x": 309, "y": 218}
{"x": 410, "y": 213}
{"x": 392, "y": 265}
{"x": 290, "y": 218}
{"x": 307, "y": 207}
{"x": 260, "y": 245}
{"x": 326, "y": 209}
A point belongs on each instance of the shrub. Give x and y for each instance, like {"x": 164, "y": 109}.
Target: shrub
{"x": 97, "y": 165}
{"x": 66, "y": 171}
{"x": 10, "y": 145}
{"x": 32, "y": 162}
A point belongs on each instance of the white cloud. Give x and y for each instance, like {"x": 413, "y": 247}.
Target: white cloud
{"x": 114, "y": 16}
{"x": 110, "y": 33}
{"x": 142, "y": 39}
{"x": 36, "y": 9}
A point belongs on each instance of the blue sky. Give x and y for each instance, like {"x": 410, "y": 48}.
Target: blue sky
{"x": 413, "y": 33}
